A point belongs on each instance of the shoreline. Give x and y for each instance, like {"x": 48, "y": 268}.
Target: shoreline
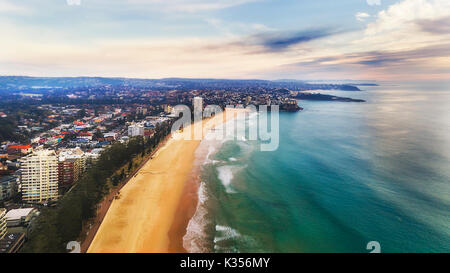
{"x": 185, "y": 211}
{"x": 188, "y": 206}
{"x": 156, "y": 204}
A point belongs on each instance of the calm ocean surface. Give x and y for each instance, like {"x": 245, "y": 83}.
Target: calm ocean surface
{"x": 344, "y": 174}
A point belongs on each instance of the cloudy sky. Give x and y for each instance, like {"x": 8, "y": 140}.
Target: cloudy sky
{"x": 266, "y": 39}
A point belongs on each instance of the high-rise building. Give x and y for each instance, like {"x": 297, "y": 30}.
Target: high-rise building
{"x": 69, "y": 171}
{"x": 198, "y": 106}
{"x": 39, "y": 177}
{"x": 77, "y": 154}
{"x": 2, "y": 223}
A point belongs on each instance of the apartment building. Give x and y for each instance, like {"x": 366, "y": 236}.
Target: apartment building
{"x": 136, "y": 130}
{"x": 39, "y": 178}
{"x": 69, "y": 171}
{"x": 9, "y": 186}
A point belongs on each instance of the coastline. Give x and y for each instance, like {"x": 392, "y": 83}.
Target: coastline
{"x": 188, "y": 206}
{"x": 156, "y": 205}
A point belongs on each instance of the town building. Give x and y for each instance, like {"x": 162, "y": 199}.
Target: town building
{"x": 93, "y": 155}
{"x": 39, "y": 179}
{"x": 141, "y": 111}
{"x": 198, "y": 106}
{"x": 71, "y": 153}
{"x": 19, "y": 149}
{"x": 110, "y": 136}
{"x": 69, "y": 171}
{"x": 135, "y": 130}
{"x": 168, "y": 108}
{"x": 9, "y": 187}
{"x": 20, "y": 217}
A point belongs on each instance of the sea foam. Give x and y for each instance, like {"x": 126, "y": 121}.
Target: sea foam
{"x": 226, "y": 176}
{"x": 195, "y": 240}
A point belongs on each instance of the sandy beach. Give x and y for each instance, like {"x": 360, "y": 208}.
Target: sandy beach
{"x": 155, "y": 205}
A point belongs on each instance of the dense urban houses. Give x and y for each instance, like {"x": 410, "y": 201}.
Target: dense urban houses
{"x": 39, "y": 177}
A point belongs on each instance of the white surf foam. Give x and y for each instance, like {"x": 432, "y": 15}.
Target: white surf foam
{"x": 225, "y": 233}
{"x": 226, "y": 176}
{"x": 195, "y": 241}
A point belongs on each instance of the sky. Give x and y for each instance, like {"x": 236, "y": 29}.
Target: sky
{"x": 383, "y": 40}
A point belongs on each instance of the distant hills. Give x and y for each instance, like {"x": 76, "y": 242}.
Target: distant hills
{"x": 42, "y": 84}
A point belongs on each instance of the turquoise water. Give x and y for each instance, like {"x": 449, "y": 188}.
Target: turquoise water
{"x": 343, "y": 175}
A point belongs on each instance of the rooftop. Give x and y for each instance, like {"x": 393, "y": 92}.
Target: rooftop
{"x": 16, "y": 214}
{"x": 20, "y": 147}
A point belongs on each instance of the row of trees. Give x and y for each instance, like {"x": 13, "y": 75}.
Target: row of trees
{"x": 57, "y": 226}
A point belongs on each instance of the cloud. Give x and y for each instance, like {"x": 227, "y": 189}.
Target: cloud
{"x": 402, "y": 58}
{"x": 8, "y": 7}
{"x": 381, "y": 58}
{"x": 398, "y": 27}
{"x": 279, "y": 41}
{"x": 437, "y": 26}
{"x": 373, "y": 2}
{"x": 418, "y": 64}
{"x": 193, "y": 5}
{"x": 361, "y": 16}
{"x": 403, "y": 14}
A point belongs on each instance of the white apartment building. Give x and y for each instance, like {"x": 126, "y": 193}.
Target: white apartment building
{"x": 135, "y": 130}
{"x": 2, "y": 223}
{"x": 39, "y": 177}
{"x": 198, "y": 106}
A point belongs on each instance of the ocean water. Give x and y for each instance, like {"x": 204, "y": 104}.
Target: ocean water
{"x": 344, "y": 174}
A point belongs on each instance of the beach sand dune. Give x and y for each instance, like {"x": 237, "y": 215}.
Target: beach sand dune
{"x": 140, "y": 220}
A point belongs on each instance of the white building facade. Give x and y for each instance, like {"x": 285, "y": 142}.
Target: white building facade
{"x": 198, "y": 106}
{"x": 135, "y": 130}
{"x": 39, "y": 177}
